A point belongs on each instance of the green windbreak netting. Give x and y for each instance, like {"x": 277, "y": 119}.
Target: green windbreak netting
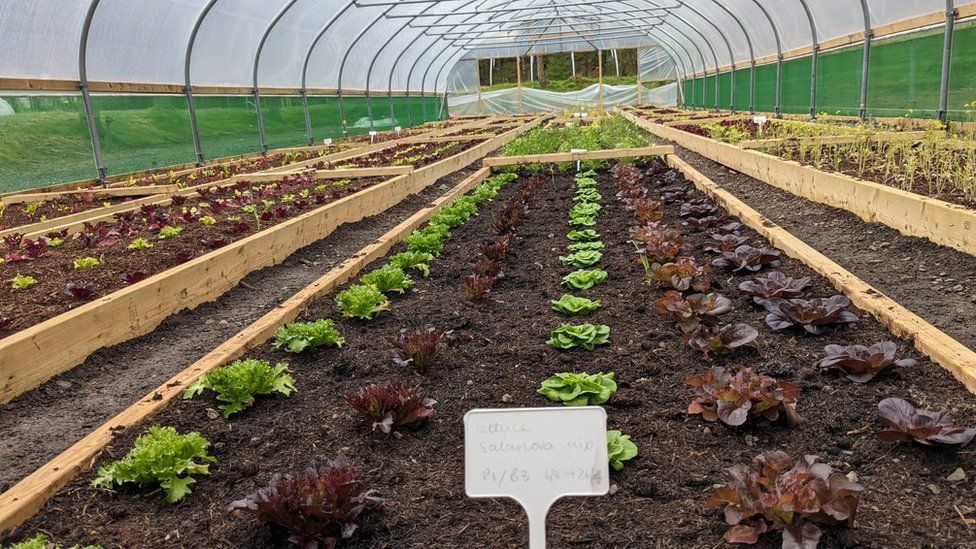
{"x": 43, "y": 140}
{"x": 903, "y": 79}
{"x": 141, "y": 132}
{"x": 724, "y": 88}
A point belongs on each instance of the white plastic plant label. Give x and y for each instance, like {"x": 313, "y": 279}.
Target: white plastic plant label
{"x": 327, "y": 141}
{"x": 578, "y": 151}
{"x": 536, "y": 456}
{"x": 759, "y": 119}
{"x": 398, "y": 129}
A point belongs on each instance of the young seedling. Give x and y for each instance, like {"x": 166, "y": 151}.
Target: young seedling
{"x": 579, "y": 389}
{"x": 298, "y": 336}
{"x": 237, "y": 383}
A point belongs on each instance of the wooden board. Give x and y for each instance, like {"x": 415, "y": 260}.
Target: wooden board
{"x": 945, "y": 351}
{"x": 32, "y": 356}
{"x": 106, "y": 191}
{"x": 319, "y": 175}
{"x": 911, "y": 214}
{"x": 684, "y": 121}
{"x": 878, "y": 137}
{"x": 573, "y": 157}
{"x": 446, "y": 138}
{"x": 24, "y": 499}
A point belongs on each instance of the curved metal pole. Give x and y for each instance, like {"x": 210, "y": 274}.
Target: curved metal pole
{"x": 943, "y": 113}
{"x": 752, "y": 56}
{"x": 777, "y": 108}
{"x": 308, "y": 56}
{"x": 257, "y": 61}
{"x": 728, "y": 45}
{"x": 342, "y": 65}
{"x": 865, "y": 60}
{"x": 815, "y": 48}
{"x": 85, "y": 96}
{"x": 187, "y": 87}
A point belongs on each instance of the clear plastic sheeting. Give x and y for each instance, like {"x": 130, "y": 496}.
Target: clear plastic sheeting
{"x": 463, "y": 77}
{"x": 506, "y": 101}
{"x": 662, "y": 96}
{"x": 656, "y": 65}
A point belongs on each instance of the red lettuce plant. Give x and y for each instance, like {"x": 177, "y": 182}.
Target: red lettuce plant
{"x": 862, "y": 364}
{"x": 748, "y": 258}
{"x": 729, "y": 228}
{"x": 683, "y": 274}
{"x": 927, "y": 427}
{"x": 698, "y": 208}
{"x": 657, "y": 242}
{"x": 775, "y": 284}
{"x": 715, "y": 340}
{"x": 648, "y": 211}
{"x": 392, "y": 405}
{"x": 720, "y": 243}
{"x": 769, "y": 495}
{"x": 135, "y": 276}
{"x": 494, "y": 250}
{"x": 5, "y": 322}
{"x": 477, "y": 286}
{"x": 490, "y": 269}
{"x": 318, "y": 506}
{"x": 814, "y": 315}
{"x": 417, "y": 348}
{"x": 80, "y": 290}
{"x": 13, "y": 241}
{"x": 736, "y": 398}
{"x": 695, "y": 309}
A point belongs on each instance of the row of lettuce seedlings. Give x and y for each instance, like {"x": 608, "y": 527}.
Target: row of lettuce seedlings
{"x": 321, "y": 504}
{"x": 584, "y": 253}
{"x": 762, "y": 496}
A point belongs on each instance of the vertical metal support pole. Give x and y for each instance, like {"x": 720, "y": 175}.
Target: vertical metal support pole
{"x": 257, "y": 107}
{"x": 639, "y": 86}
{"x": 85, "y": 96}
{"x": 308, "y": 117}
{"x": 943, "y": 113}
{"x": 93, "y": 132}
{"x": 491, "y": 72}
{"x": 865, "y": 60}
{"x": 518, "y": 73}
{"x": 616, "y": 62}
{"x": 531, "y": 68}
{"x": 572, "y": 61}
{"x": 599, "y": 68}
{"x": 194, "y": 128}
{"x": 481, "y": 106}
{"x": 778, "y": 109}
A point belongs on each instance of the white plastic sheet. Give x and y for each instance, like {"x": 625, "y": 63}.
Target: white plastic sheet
{"x": 409, "y": 45}
{"x": 533, "y": 100}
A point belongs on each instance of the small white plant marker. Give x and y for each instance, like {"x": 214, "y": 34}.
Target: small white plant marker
{"x": 536, "y": 456}
{"x": 761, "y": 120}
{"x": 578, "y": 151}
{"x": 327, "y": 141}
{"x": 398, "y": 129}
{"x": 372, "y": 134}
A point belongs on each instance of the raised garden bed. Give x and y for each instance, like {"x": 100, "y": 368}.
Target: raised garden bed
{"x": 497, "y": 356}
{"x": 912, "y": 214}
{"x": 30, "y": 356}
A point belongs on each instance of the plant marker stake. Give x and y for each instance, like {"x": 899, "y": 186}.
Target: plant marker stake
{"x": 536, "y": 456}
{"x": 578, "y": 151}
{"x": 760, "y": 120}
{"x": 372, "y": 134}
{"x": 397, "y": 129}
{"x": 327, "y": 141}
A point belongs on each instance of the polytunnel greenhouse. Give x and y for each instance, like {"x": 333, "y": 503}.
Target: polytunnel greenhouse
{"x": 479, "y": 273}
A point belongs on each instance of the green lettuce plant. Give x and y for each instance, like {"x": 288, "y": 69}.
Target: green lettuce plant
{"x": 581, "y": 259}
{"x": 585, "y": 246}
{"x": 40, "y": 541}
{"x": 21, "y": 282}
{"x": 579, "y": 389}
{"x": 162, "y": 456}
{"x": 169, "y": 231}
{"x": 572, "y": 305}
{"x": 86, "y": 263}
{"x": 413, "y": 260}
{"x": 587, "y": 336}
{"x": 424, "y": 242}
{"x": 584, "y": 235}
{"x": 298, "y": 336}
{"x": 619, "y": 449}
{"x": 362, "y": 301}
{"x": 388, "y": 278}
{"x": 237, "y": 383}
{"x": 584, "y": 279}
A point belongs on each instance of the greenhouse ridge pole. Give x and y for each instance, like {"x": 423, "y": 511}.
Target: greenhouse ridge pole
{"x": 308, "y": 57}
{"x": 257, "y": 62}
{"x": 187, "y": 86}
{"x": 85, "y": 96}
{"x": 943, "y": 113}
{"x": 865, "y": 60}
{"x": 815, "y": 52}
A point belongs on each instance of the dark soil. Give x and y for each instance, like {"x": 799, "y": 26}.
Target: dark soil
{"x": 935, "y": 282}
{"x": 497, "y": 354}
{"x": 46, "y": 299}
{"x": 40, "y": 424}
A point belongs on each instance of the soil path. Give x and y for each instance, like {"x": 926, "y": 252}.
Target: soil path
{"x": 935, "y": 282}
{"x": 44, "y": 422}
